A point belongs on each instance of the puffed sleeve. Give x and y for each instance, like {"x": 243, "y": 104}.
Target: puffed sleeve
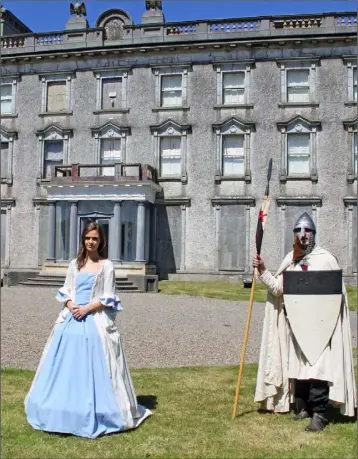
{"x": 108, "y": 297}
{"x": 65, "y": 293}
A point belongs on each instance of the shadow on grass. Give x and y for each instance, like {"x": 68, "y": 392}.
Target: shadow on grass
{"x": 334, "y": 415}
{"x": 149, "y": 401}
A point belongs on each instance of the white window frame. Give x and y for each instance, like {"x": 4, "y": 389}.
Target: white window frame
{"x": 103, "y": 75}
{"x": 222, "y": 68}
{"x": 172, "y": 70}
{"x": 8, "y": 137}
{"x": 110, "y": 131}
{"x": 236, "y": 127}
{"x": 161, "y": 139}
{"x": 300, "y": 64}
{"x": 302, "y": 126}
{"x": 350, "y": 204}
{"x": 13, "y": 82}
{"x": 6, "y": 205}
{"x": 351, "y": 64}
{"x": 171, "y": 129}
{"x": 351, "y": 128}
{"x": 52, "y": 132}
{"x": 53, "y": 78}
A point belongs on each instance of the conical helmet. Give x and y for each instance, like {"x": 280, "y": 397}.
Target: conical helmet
{"x": 305, "y": 221}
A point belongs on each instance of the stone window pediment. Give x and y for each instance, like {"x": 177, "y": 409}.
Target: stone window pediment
{"x": 7, "y": 149}
{"x": 298, "y": 149}
{"x": 54, "y": 132}
{"x": 110, "y": 130}
{"x": 170, "y": 128}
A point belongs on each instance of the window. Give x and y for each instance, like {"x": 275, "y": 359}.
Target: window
{"x": 298, "y": 154}
{"x": 111, "y": 93}
{"x": 298, "y": 82}
{"x": 6, "y": 98}
{"x": 298, "y": 149}
{"x": 171, "y": 84}
{"x": 298, "y": 88}
{"x": 170, "y": 156}
{"x": 170, "y": 141}
{"x": 233, "y": 88}
{"x": 110, "y": 154}
{"x": 3, "y": 235}
{"x": 171, "y": 90}
{"x": 62, "y": 231}
{"x": 355, "y": 84}
{"x": 4, "y": 159}
{"x": 355, "y": 153}
{"x": 233, "y": 155}
{"x": 56, "y": 96}
{"x": 53, "y": 156}
{"x": 233, "y": 140}
{"x": 351, "y": 128}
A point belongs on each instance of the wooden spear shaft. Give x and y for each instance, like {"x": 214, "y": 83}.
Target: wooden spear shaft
{"x": 243, "y": 350}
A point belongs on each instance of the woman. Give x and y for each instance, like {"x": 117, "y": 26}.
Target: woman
{"x": 82, "y": 385}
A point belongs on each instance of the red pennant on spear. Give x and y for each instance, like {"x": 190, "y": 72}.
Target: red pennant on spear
{"x": 259, "y": 236}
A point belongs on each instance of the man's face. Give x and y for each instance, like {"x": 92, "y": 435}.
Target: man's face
{"x": 304, "y": 234}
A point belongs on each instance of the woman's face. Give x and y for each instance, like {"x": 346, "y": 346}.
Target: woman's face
{"x": 92, "y": 241}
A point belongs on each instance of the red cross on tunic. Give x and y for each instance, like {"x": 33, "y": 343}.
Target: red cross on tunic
{"x": 262, "y": 215}
{"x": 304, "y": 267}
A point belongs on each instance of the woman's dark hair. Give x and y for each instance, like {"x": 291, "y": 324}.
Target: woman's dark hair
{"x": 82, "y": 254}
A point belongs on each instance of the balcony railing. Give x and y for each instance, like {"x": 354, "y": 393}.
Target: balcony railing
{"x": 270, "y": 26}
{"x": 98, "y": 173}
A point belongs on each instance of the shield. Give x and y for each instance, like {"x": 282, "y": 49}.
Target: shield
{"x": 313, "y": 303}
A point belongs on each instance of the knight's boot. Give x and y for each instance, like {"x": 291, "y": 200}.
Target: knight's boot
{"x": 317, "y": 424}
{"x": 301, "y": 410}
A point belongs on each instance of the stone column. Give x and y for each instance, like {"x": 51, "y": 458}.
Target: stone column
{"x": 116, "y": 238}
{"x": 51, "y": 252}
{"x": 73, "y": 230}
{"x": 140, "y": 248}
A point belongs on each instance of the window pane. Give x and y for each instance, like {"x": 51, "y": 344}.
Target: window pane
{"x": 111, "y": 93}
{"x": 53, "y": 156}
{"x": 234, "y": 96}
{"x": 233, "y": 80}
{"x": 298, "y": 95}
{"x": 170, "y": 167}
{"x": 56, "y": 96}
{"x": 6, "y": 98}
{"x": 4, "y": 159}
{"x": 171, "y": 91}
{"x": 355, "y": 154}
{"x": 170, "y": 163}
{"x": 297, "y": 78}
{"x": 233, "y": 145}
{"x": 298, "y": 148}
{"x": 3, "y": 235}
{"x": 171, "y": 82}
{"x": 110, "y": 153}
{"x": 233, "y": 165}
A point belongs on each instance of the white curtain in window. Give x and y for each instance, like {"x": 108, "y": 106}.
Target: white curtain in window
{"x": 4, "y": 159}
{"x": 298, "y": 149}
{"x": 234, "y": 88}
{"x": 111, "y": 93}
{"x": 53, "y": 155}
{"x": 171, "y": 90}
{"x": 233, "y": 155}
{"x": 110, "y": 154}
{"x": 355, "y": 153}
{"x": 170, "y": 156}
{"x": 57, "y": 96}
{"x": 355, "y": 84}
{"x": 6, "y": 98}
{"x": 298, "y": 89}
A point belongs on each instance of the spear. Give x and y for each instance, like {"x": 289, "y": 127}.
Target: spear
{"x": 259, "y": 235}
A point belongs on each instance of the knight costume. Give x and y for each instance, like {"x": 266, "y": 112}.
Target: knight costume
{"x": 285, "y": 374}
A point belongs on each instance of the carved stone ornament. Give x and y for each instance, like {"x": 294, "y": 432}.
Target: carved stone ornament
{"x": 114, "y": 29}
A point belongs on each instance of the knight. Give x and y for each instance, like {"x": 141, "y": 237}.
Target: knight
{"x": 306, "y": 350}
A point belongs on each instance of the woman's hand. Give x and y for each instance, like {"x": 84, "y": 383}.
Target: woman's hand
{"x": 69, "y": 306}
{"x": 80, "y": 312}
{"x": 259, "y": 264}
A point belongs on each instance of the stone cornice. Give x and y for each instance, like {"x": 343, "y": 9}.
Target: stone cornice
{"x": 296, "y": 200}
{"x": 242, "y": 200}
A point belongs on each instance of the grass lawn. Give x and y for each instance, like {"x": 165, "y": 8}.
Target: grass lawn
{"x": 192, "y": 419}
{"x": 230, "y": 291}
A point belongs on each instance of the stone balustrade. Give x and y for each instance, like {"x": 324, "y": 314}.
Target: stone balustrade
{"x": 271, "y": 26}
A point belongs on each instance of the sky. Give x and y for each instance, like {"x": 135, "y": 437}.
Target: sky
{"x": 47, "y": 15}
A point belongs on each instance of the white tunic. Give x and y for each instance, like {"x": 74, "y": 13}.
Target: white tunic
{"x": 281, "y": 359}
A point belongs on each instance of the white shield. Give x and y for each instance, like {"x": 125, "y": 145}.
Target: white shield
{"x": 313, "y": 319}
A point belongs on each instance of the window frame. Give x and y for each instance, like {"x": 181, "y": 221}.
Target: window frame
{"x": 52, "y": 132}
{"x": 110, "y": 74}
{"x": 351, "y": 127}
{"x": 299, "y": 125}
{"x": 8, "y": 137}
{"x": 45, "y": 143}
{"x": 351, "y": 64}
{"x": 170, "y": 70}
{"x": 13, "y": 82}
{"x": 229, "y": 67}
{"x": 6, "y": 206}
{"x": 171, "y": 129}
{"x": 298, "y": 64}
{"x": 55, "y": 78}
{"x": 161, "y": 156}
{"x": 236, "y": 127}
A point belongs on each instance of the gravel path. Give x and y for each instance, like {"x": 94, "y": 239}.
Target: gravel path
{"x": 157, "y": 330}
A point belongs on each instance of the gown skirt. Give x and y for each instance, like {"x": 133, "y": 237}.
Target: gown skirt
{"x": 72, "y": 392}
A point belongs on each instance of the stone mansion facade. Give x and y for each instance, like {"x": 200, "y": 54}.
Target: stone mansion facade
{"x": 163, "y": 133}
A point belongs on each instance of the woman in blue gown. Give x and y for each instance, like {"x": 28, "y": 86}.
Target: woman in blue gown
{"x": 83, "y": 385}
